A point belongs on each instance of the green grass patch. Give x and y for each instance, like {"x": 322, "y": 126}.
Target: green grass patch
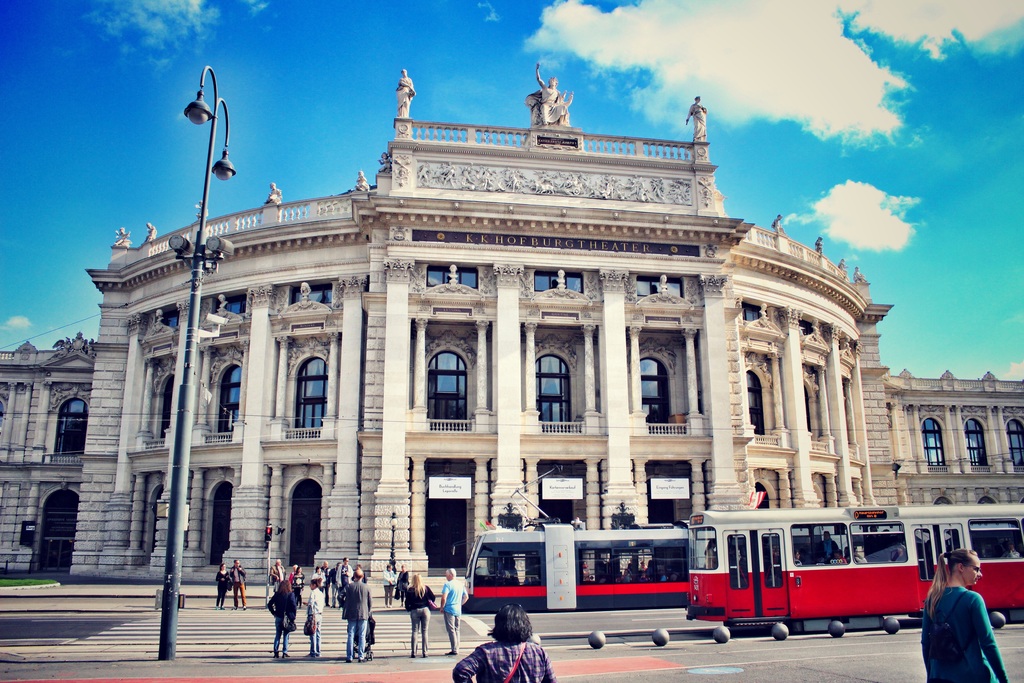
{"x": 9, "y": 583}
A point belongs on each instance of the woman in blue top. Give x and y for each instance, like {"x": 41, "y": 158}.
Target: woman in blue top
{"x": 950, "y": 602}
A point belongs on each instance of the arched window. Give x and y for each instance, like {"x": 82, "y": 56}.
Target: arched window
{"x": 166, "y": 407}
{"x": 1015, "y": 438}
{"x": 553, "y": 390}
{"x": 654, "y": 390}
{"x": 975, "y": 437}
{"x": 72, "y": 420}
{"x": 931, "y": 435}
{"x": 755, "y": 402}
{"x": 311, "y": 394}
{"x": 230, "y": 398}
{"x": 446, "y": 387}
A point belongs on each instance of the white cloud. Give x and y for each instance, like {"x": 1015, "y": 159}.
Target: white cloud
{"x": 492, "y": 14}
{"x": 16, "y": 322}
{"x": 865, "y": 217}
{"x": 1016, "y": 371}
{"x": 936, "y": 25}
{"x": 156, "y": 24}
{"x": 747, "y": 60}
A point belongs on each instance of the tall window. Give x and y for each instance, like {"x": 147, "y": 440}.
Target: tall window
{"x": 931, "y": 435}
{"x": 311, "y": 394}
{"x": 975, "y": 437}
{"x": 230, "y": 398}
{"x": 1014, "y": 436}
{"x": 751, "y": 312}
{"x": 543, "y": 281}
{"x": 171, "y": 317}
{"x": 654, "y": 390}
{"x": 72, "y": 420}
{"x": 446, "y": 387}
{"x": 755, "y": 402}
{"x": 553, "y": 390}
{"x": 321, "y": 294}
{"x": 166, "y": 406}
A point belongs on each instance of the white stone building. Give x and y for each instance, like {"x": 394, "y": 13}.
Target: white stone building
{"x": 399, "y": 361}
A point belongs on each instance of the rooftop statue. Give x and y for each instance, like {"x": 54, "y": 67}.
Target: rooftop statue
{"x": 150, "y": 232}
{"x": 122, "y": 238}
{"x": 699, "y": 114}
{"x": 361, "y": 183}
{"x": 275, "y": 196}
{"x": 404, "y": 93}
{"x": 548, "y": 107}
{"x": 777, "y": 225}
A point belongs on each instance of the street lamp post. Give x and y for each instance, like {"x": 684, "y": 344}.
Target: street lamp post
{"x": 198, "y": 113}
{"x": 394, "y": 525}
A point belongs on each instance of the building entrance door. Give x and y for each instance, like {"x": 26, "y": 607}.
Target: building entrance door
{"x": 446, "y": 530}
{"x": 220, "y": 530}
{"x": 305, "y": 525}
{"x": 60, "y": 517}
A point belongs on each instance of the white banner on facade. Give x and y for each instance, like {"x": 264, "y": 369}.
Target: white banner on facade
{"x": 670, "y": 489}
{"x": 451, "y": 487}
{"x": 563, "y": 488}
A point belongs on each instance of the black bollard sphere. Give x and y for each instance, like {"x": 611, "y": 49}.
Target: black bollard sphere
{"x": 836, "y": 629}
{"x": 596, "y": 640}
{"x": 660, "y": 637}
{"x": 891, "y": 625}
{"x": 780, "y": 631}
{"x": 997, "y": 618}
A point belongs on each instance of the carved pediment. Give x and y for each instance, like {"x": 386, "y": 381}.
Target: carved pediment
{"x": 664, "y": 299}
{"x": 561, "y": 294}
{"x": 72, "y": 362}
{"x": 449, "y": 288}
{"x": 306, "y": 306}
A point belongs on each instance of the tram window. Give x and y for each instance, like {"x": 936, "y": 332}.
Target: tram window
{"x": 771, "y": 557}
{"x": 821, "y": 543}
{"x": 925, "y": 555}
{"x": 739, "y": 572}
{"x": 668, "y": 564}
{"x": 703, "y": 549}
{"x": 596, "y": 566}
{"x": 499, "y": 566}
{"x": 632, "y": 564}
{"x": 996, "y": 538}
{"x": 951, "y": 539}
{"x": 879, "y": 543}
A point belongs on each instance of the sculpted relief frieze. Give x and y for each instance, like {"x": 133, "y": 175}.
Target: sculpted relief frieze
{"x": 476, "y": 178}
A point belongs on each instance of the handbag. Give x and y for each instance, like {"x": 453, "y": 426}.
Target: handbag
{"x": 943, "y": 645}
{"x": 287, "y": 624}
{"x": 522, "y": 648}
{"x": 310, "y": 627}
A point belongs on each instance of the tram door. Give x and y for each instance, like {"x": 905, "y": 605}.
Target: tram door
{"x": 741, "y": 595}
{"x": 771, "y": 594}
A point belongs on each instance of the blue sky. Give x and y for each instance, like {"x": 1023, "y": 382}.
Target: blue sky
{"x": 893, "y": 129}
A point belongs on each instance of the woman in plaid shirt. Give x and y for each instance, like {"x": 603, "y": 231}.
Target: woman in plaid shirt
{"x": 512, "y": 658}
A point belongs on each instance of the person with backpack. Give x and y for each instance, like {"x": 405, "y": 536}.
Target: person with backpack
{"x": 956, "y": 634}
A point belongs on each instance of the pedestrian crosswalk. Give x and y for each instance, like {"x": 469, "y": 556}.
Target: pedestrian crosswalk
{"x": 205, "y": 631}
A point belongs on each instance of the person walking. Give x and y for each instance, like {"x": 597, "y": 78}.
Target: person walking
{"x": 282, "y": 606}
{"x": 297, "y": 579}
{"x": 511, "y": 657}
{"x": 453, "y": 597}
{"x": 390, "y": 577}
{"x": 223, "y": 582}
{"x": 315, "y": 609}
{"x": 402, "y": 586}
{"x": 417, "y": 603}
{"x": 238, "y": 584}
{"x": 357, "y": 611}
{"x": 329, "y": 592}
{"x": 345, "y": 577}
{"x": 950, "y": 602}
{"x": 276, "y": 575}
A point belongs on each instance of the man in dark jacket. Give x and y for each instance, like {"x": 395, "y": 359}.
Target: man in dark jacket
{"x": 330, "y": 591}
{"x": 357, "y": 610}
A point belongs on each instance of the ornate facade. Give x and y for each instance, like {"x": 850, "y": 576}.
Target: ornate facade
{"x": 399, "y": 364}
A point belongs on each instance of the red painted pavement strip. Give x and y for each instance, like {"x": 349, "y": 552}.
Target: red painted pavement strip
{"x": 340, "y": 674}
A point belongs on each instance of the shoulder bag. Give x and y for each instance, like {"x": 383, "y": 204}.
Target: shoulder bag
{"x": 943, "y": 645}
{"x": 287, "y": 624}
{"x": 522, "y": 648}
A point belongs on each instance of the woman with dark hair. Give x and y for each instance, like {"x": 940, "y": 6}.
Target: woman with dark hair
{"x": 512, "y": 658}
{"x": 950, "y": 602}
{"x": 282, "y": 605}
{"x": 223, "y": 584}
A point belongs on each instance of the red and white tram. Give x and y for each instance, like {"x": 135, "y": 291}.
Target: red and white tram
{"x": 557, "y": 567}
{"x": 807, "y": 567}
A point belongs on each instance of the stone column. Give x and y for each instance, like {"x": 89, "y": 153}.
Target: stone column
{"x": 785, "y": 491}
{"x": 42, "y": 416}
{"x": 836, "y": 406}
{"x": 693, "y": 421}
{"x": 417, "y": 520}
{"x": 32, "y": 515}
{"x": 698, "y": 496}
{"x": 956, "y": 429}
{"x": 857, "y": 395}
{"x": 590, "y": 415}
{"x": 138, "y": 514}
{"x": 281, "y": 392}
{"x": 343, "y": 533}
{"x": 277, "y": 509}
{"x": 419, "y": 391}
{"x": 725, "y": 490}
{"x": 748, "y": 428}
{"x": 8, "y": 423}
{"x": 482, "y": 368}
{"x": 799, "y": 434}
{"x": 205, "y": 391}
{"x": 21, "y": 439}
{"x": 615, "y": 376}
{"x": 825, "y": 431}
{"x": 325, "y": 507}
{"x": 780, "y": 428}
{"x": 593, "y": 519}
{"x": 635, "y": 390}
{"x": 1002, "y": 441}
{"x": 640, "y": 477}
{"x": 146, "y": 426}
{"x": 333, "y": 362}
{"x": 530, "y": 366}
{"x": 194, "y": 534}
{"x": 508, "y": 390}
{"x": 481, "y": 486}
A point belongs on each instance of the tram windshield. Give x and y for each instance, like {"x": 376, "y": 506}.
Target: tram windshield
{"x": 506, "y": 565}
{"x": 703, "y": 548}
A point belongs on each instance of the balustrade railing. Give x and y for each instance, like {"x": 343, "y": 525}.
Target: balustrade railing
{"x": 768, "y": 440}
{"x": 62, "y": 458}
{"x": 450, "y": 425}
{"x": 222, "y": 437}
{"x": 152, "y": 444}
{"x": 302, "y": 433}
{"x": 561, "y": 427}
{"x": 666, "y": 429}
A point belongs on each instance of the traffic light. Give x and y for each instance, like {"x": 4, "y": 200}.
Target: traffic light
{"x": 268, "y": 534}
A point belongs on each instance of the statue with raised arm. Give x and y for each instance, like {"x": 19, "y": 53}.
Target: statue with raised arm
{"x": 548, "y": 107}
{"x": 122, "y": 238}
{"x": 699, "y": 114}
{"x": 404, "y": 93}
